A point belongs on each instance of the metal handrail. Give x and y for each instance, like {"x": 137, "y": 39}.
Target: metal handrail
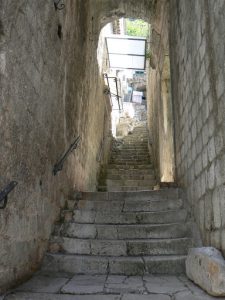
{"x": 4, "y": 193}
{"x": 117, "y": 90}
{"x": 59, "y": 165}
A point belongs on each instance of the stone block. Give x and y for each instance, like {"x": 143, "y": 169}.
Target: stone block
{"x": 43, "y": 284}
{"x": 85, "y": 284}
{"x": 145, "y": 297}
{"x": 164, "y": 284}
{"x": 206, "y": 267}
{"x": 132, "y": 284}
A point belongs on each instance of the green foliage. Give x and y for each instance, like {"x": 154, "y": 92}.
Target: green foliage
{"x": 137, "y": 28}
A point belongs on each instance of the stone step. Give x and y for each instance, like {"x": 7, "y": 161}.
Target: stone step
{"x": 120, "y": 247}
{"x": 131, "y": 172}
{"x": 161, "y": 195}
{"x": 132, "y": 163}
{"x": 129, "y": 182}
{"x": 131, "y": 205}
{"x": 135, "y": 141}
{"x": 104, "y": 217}
{"x": 133, "y": 147}
{"x": 124, "y": 232}
{"x": 130, "y": 166}
{"x": 129, "y": 152}
{"x": 125, "y": 188}
{"x": 128, "y": 156}
{"x": 130, "y": 149}
{"x": 145, "y": 177}
{"x": 85, "y": 264}
{"x": 130, "y": 145}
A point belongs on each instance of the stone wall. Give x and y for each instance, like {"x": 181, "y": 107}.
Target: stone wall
{"x": 197, "y": 40}
{"x": 160, "y": 114}
{"x": 51, "y": 92}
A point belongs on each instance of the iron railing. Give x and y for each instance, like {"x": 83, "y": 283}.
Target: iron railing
{"x": 59, "y": 165}
{"x": 5, "y": 192}
{"x": 116, "y": 94}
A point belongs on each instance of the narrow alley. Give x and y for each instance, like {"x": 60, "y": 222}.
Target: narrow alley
{"x": 112, "y": 170}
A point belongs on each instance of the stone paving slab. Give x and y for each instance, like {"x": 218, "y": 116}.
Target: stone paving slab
{"x": 194, "y": 292}
{"x": 164, "y": 284}
{"x": 43, "y": 284}
{"x": 42, "y": 296}
{"x": 108, "y": 287}
{"x": 145, "y": 297}
{"x": 188, "y": 295}
{"x": 122, "y": 284}
{"x": 85, "y": 284}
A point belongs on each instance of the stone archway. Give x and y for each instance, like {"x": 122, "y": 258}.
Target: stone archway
{"x": 156, "y": 14}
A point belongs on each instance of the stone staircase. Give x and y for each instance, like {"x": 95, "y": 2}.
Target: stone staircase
{"x": 129, "y": 229}
{"x": 130, "y": 167}
{"x": 123, "y": 233}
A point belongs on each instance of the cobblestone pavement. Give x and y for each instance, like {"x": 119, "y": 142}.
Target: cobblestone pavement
{"x": 103, "y": 287}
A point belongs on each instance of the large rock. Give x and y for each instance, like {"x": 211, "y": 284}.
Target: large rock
{"x": 206, "y": 267}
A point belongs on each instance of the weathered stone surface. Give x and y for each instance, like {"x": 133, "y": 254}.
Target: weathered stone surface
{"x": 206, "y": 267}
{"x": 85, "y": 284}
{"x": 115, "y": 287}
{"x": 188, "y": 295}
{"x": 145, "y": 297}
{"x": 199, "y": 110}
{"x": 89, "y": 216}
{"x": 172, "y": 265}
{"x": 42, "y": 296}
{"x": 119, "y": 284}
{"x": 163, "y": 284}
{"x": 43, "y": 284}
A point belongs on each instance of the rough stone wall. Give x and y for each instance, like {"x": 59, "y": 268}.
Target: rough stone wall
{"x": 160, "y": 114}
{"x": 197, "y": 39}
{"x": 51, "y": 92}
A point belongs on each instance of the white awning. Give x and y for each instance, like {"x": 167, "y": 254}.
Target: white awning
{"x": 126, "y": 52}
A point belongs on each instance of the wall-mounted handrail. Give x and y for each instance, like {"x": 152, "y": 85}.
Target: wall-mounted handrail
{"x": 4, "y": 193}
{"x": 59, "y": 4}
{"x": 117, "y": 91}
{"x": 59, "y": 165}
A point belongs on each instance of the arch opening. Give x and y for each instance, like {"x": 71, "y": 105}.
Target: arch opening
{"x": 151, "y": 85}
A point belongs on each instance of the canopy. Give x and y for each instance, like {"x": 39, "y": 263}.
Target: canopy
{"x": 126, "y": 52}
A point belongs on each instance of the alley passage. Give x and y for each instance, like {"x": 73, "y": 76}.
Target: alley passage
{"x": 127, "y": 243}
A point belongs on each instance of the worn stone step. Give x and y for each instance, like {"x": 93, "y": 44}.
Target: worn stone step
{"x": 133, "y": 147}
{"x": 130, "y": 166}
{"x": 131, "y": 151}
{"x": 129, "y": 157}
{"x": 125, "y": 188}
{"x": 118, "y": 231}
{"x": 161, "y": 195}
{"x": 120, "y": 247}
{"x": 131, "y": 172}
{"x": 104, "y": 217}
{"x": 128, "y": 147}
{"x": 50, "y": 296}
{"x": 131, "y": 163}
{"x": 85, "y": 264}
{"x": 131, "y": 205}
{"x": 119, "y": 176}
{"x": 129, "y": 182}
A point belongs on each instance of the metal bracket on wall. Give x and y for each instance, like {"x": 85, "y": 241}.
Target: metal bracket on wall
{"x": 59, "y": 5}
{"x": 4, "y": 193}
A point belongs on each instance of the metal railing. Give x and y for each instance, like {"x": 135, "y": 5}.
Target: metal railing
{"x": 59, "y": 165}
{"x": 116, "y": 94}
{"x": 4, "y": 193}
